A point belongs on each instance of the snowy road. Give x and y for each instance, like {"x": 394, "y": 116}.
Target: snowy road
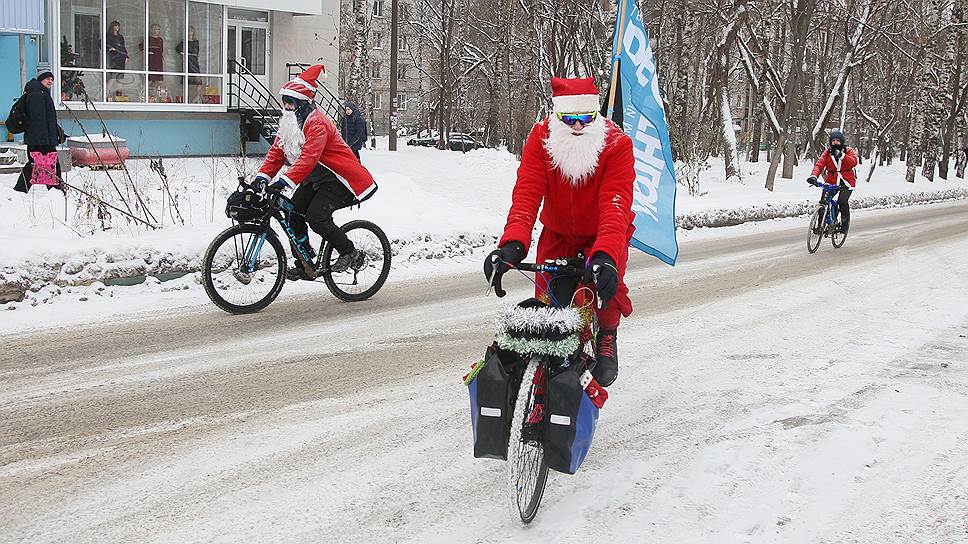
{"x": 765, "y": 395}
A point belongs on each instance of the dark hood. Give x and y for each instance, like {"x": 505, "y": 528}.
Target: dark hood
{"x": 35, "y": 85}
{"x": 352, "y": 105}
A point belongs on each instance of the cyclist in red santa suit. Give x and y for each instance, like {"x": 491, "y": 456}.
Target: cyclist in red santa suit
{"x": 319, "y": 165}
{"x": 581, "y": 165}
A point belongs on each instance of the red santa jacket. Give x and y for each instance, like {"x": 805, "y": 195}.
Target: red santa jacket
{"x": 323, "y": 146}
{"x": 828, "y": 166}
{"x": 600, "y": 207}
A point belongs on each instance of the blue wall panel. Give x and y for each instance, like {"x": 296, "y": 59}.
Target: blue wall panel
{"x": 162, "y": 137}
{"x": 10, "y": 87}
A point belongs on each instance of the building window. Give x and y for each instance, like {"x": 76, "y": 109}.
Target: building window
{"x": 377, "y": 101}
{"x": 401, "y": 101}
{"x": 375, "y": 72}
{"x": 377, "y": 40}
{"x": 119, "y": 51}
{"x": 378, "y": 8}
{"x": 404, "y": 12}
{"x": 402, "y": 71}
{"x": 402, "y": 42}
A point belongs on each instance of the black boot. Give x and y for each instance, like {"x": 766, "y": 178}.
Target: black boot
{"x": 606, "y": 356}
{"x": 352, "y": 259}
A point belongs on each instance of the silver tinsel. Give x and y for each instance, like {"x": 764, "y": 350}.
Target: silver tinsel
{"x": 535, "y": 321}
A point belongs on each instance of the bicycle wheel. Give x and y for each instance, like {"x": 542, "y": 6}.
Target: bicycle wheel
{"x": 527, "y": 471}
{"x": 837, "y": 238}
{"x": 239, "y": 273}
{"x": 815, "y": 229}
{"x": 362, "y": 280}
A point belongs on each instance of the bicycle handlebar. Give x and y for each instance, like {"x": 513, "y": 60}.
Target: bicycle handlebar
{"x": 573, "y": 267}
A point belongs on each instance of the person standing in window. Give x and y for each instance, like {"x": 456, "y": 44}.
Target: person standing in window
{"x": 156, "y": 61}
{"x": 117, "y": 55}
{"x": 193, "y": 65}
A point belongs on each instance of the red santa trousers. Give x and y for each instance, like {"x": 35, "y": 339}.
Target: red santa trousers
{"x": 553, "y": 245}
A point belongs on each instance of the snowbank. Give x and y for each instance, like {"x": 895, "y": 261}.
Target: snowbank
{"x": 434, "y": 205}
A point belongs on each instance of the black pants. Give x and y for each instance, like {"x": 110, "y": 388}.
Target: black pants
{"x": 23, "y": 182}
{"x": 843, "y": 205}
{"x": 317, "y": 197}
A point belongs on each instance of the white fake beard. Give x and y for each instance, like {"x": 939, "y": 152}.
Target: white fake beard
{"x": 291, "y": 136}
{"x": 576, "y": 154}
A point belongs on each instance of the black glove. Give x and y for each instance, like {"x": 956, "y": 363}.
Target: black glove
{"x": 497, "y": 263}
{"x": 604, "y": 274}
{"x": 812, "y": 180}
{"x": 259, "y": 184}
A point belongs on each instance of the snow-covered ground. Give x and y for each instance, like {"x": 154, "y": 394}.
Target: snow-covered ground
{"x": 765, "y": 395}
{"x": 441, "y": 209}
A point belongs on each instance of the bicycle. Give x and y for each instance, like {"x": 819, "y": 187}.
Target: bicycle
{"x": 822, "y": 223}
{"x": 552, "y": 354}
{"x": 240, "y": 277}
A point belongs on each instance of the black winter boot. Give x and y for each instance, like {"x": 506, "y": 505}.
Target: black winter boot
{"x": 606, "y": 356}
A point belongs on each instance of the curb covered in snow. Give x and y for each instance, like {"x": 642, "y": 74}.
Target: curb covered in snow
{"x": 140, "y": 261}
{"x": 134, "y": 264}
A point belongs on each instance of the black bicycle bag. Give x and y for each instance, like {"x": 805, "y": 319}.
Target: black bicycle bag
{"x": 571, "y": 421}
{"x": 490, "y": 393}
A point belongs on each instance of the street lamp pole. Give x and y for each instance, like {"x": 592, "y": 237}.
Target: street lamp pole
{"x": 393, "y": 75}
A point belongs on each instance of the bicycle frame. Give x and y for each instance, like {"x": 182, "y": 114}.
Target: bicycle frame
{"x": 280, "y": 213}
{"x": 828, "y": 194}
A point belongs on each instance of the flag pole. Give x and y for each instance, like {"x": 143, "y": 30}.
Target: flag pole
{"x": 620, "y": 23}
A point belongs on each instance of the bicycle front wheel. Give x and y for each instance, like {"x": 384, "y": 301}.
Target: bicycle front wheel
{"x": 837, "y": 238}
{"x": 527, "y": 471}
{"x": 816, "y": 228}
{"x": 244, "y": 268}
{"x": 366, "y": 276}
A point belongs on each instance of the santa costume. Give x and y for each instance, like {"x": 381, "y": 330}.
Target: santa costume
{"x": 318, "y": 164}
{"x": 585, "y": 180}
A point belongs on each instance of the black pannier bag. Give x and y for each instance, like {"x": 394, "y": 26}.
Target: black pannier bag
{"x": 570, "y": 424}
{"x": 490, "y": 394}
{"x": 245, "y": 205}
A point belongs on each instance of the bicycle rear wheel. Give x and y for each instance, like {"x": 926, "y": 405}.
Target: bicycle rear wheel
{"x": 816, "y": 228}
{"x": 240, "y": 274}
{"x": 363, "y": 279}
{"x": 527, "y": 471}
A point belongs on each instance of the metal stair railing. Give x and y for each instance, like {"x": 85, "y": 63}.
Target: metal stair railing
{"x": 250, "y": 96}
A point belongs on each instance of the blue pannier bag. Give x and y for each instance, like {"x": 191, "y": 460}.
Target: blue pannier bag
{"x": 490, "y": 394}
{"x": 570, "y": 426}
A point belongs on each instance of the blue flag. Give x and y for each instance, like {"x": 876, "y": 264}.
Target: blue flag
{"x": 638, "y": 110}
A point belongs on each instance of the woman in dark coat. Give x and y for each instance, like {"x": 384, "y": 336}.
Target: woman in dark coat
{"x": 353, "y": 130}
{"x": 117, "y": 55}
{"x": 42, "y": 135}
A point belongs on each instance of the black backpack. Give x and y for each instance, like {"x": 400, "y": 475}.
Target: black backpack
{"x": 17, "y": 120}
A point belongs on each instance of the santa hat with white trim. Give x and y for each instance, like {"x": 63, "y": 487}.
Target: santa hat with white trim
{"x": 303, "y": 87}
{"x": 578, "y": 95}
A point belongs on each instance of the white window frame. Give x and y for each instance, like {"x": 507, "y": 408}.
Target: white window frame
{"x": 402, "y": 101}
{"x": 377, "y": 101}
{"x": 56, "y": 68}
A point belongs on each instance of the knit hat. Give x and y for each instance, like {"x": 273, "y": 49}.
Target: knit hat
{"x": 304, "y": 86}
{"x": 578, "y": 95}
{"x": 44, "y": 75}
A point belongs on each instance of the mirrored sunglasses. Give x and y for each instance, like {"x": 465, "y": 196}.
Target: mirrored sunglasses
{"x": 572, "y": 118}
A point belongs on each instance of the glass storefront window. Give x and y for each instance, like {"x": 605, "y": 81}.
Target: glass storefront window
{"x": 204, "y": 90}
{"x": 124, "y": 33}
{"x": 81, "y": 33}
{"x": 167, "y": 89}
{"x": 106, "y": 51}
{"x": 75, "y": 82}
{"x": 205, "y": 30}
{"x": 166, "y": 29}
{"x": 254, "y": 49}
{"x": 125, "y": 87}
